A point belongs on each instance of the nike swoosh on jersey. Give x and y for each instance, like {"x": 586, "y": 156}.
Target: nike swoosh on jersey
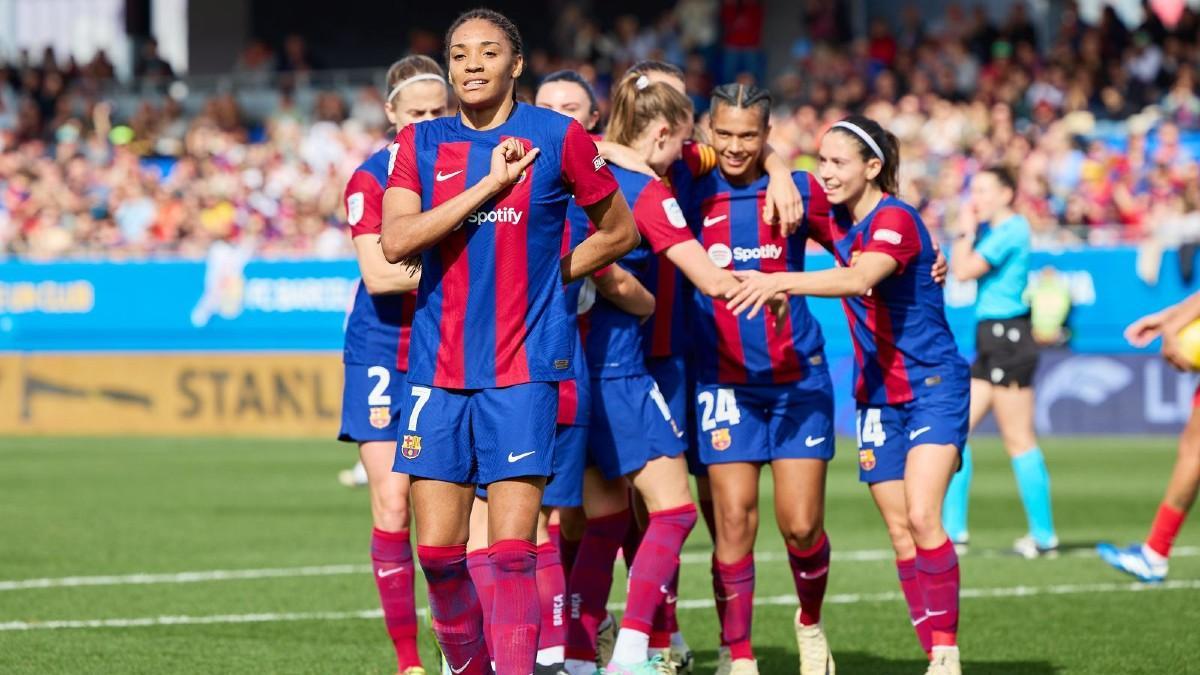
{"x": 912, "y": 435}
{"x": 516, "y": 458}
{"x": 709, "y": 222}
{"x": 447, "y": 176}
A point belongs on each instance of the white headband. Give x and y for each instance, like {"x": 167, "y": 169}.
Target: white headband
{"x": 415, "y": 78}
{"x": 866, "y": 138}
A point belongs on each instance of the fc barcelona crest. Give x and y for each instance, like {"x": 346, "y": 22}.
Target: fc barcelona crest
{"x": 381, "y": 416}
{"x": 866, "y": 459}
{"x": 411, "y": 446}
{"x": 721, "y": 439}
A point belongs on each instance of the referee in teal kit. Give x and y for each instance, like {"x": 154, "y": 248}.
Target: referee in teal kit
{"x": 993, "y": 247}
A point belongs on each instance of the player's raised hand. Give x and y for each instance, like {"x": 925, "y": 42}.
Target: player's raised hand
{"x": 1143, "y": 331}
{"x": 755, "y": 290}
{"x": 940, "y": 267}
{"x": 509, "y": 161}
{"x": 783, "y": 205}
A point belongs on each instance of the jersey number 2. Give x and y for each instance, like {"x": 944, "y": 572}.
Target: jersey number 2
{"x": 383, "y": 378}
{"x": 722, "y": 408}
{"x": 870, "y": 427}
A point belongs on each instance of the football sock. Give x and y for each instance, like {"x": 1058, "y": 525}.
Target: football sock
{"x": 666, "y": 621}
{"x": 656, "y": 564}
{"x": 810, "y": 571}
{"x": 1033, "y": 483}
{"x": 591, "y": 581}
{"x": 454, "y": 608}
{"x": 718, "y": 598}
{"x": 734, "y": 593}
{"x": 907, "y": 570}
{"x": 954, "y": 509}
{"x": 516, "y": 617}
{"x": 392, "y": 562}
{"x": 1164, "y": 529}
{"x": 552, "y": 589}
{"x": 483, "y": 577}
{"x": 937, "y": 572}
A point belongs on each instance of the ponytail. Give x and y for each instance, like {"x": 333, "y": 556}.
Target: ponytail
{"x": 636, "y": 102}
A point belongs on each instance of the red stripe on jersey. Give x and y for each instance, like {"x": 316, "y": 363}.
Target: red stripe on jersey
{"x": 781, "y": 341}
{"x": 860, "y": 383}
{"x": 450, "y": 369}
{"x": 891, "y": 361}
{"x": 568, "y": 402}
{"x": 408, "y": 307}
{"x": 731, "y": 361}
{"x": 664, "y": 308}
{"x": 512, "y": 280}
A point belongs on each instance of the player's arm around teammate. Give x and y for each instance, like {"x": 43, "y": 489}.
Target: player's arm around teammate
{"x": 377, "y": 357}
{"x": 911, "y": 384}
{"x": 1148, "y": 560}
{"x": 763, "y": 389}
{"x": 482, "y": 198}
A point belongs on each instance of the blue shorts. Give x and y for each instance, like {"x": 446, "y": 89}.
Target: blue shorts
{"x": 477, "y": 435}
{"x": 762, "y": 423}
{"x": 570, "y": 456}
{"x": 371, "y": 398}
{"x": 886, "y": 433}
{"x": 676, "y": 384}
{"x": 631, "y": 425}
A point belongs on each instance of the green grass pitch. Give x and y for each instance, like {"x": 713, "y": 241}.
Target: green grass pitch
{"x": 119, "y": 508}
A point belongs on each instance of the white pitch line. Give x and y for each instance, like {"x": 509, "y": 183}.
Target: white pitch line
{"x": 785, "y": 600}
{"x": 139, "y": 578}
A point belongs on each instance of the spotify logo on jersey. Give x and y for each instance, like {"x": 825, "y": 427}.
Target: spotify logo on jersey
{"x": 720, "y": 255}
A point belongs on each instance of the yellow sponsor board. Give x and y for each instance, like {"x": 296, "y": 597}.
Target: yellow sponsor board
{"x": 172, "y": 394}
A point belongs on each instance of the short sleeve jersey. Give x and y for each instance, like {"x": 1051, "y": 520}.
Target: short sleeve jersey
{"x": 490, "y": 311}
{"x": 614, "y": 340}
{"x": 1005, "y": 246}
{"x": 379, "y": 326}
{"x": 727, "y": 220}
{"x": 902, "y": 341}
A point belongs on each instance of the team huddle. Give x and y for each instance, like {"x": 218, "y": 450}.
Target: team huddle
{"x": 555, "y": 328}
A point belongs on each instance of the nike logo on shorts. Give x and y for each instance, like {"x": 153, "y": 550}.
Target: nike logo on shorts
{"x": 912, "y": 435}
{"x": 813, "y": 442}
{"x": 516, "y": 458}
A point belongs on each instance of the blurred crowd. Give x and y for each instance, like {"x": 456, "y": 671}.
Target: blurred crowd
{"x": 1101, "y": 123}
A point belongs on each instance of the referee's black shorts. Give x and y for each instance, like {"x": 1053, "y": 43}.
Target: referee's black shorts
{"x": 1005, "y": 352}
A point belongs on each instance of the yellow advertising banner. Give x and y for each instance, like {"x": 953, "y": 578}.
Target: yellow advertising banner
{"x": 209, "y": 394}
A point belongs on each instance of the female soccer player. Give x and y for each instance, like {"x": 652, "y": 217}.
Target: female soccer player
{"x": 763, "y": 391}
{"x": 482, "y": 198}
{"x": 633, "y": 439}
{"x": 1148, "y": 561}
{"x": 993, "y": 247}
{"x": 376, "y": 356}
{"x": 911, "y": 384}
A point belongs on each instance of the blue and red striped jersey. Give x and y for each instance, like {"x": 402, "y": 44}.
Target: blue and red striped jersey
{"x": 666, "y": 333}
{"x": 727, "y": 219}
{"x": 902, "y": 341}
{"x": 574, "y": 395}
{"x": 490, "y": 311}
{"x": 378, "y": 327}
{"x": 613, "y": 338}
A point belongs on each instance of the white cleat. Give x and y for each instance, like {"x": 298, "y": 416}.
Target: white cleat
{"x": 1027, "y": 547}
{"x": 355, "y": 477}
{"x": 743, "y": 667}
{"x": 815, "y": 658}
{"x": 724, "y": 661}
{"x": 944, "y": 662}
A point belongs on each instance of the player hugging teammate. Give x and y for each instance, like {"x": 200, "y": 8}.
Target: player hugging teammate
{"x": 506, "y": 207}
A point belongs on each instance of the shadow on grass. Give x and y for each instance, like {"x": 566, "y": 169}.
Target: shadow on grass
{"x": 781, "y": 661}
